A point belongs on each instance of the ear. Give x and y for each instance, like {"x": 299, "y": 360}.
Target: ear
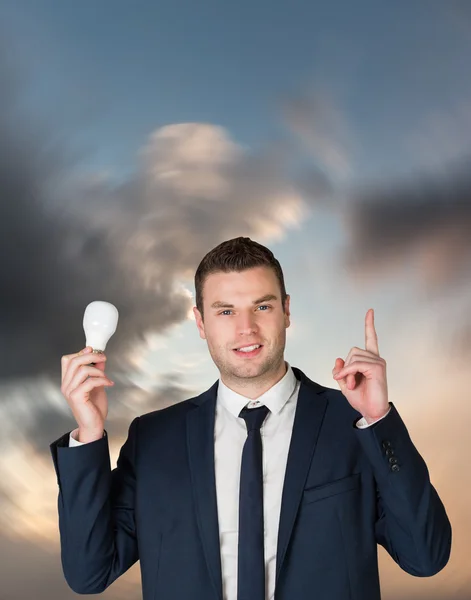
{"x": 287, "y": 311}
{"x": 199, "y": 322}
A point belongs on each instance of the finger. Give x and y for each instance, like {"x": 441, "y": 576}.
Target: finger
{"x": 342, "y": 383}
{"x": 345, "y": 382}
{"x": 65, "y": 360}
{"x": 358, "y": 353}
{"x": 75, "y": 363}
{"x": 371, "y": 338}
{"x": 89, "y": 385}
{"x": 99, "y": 363}
{"x": 357, "y": 366}
{"x": 339, "y": 364}
{"x": 348, "y": 382}
{"x": 81, "y": 375}
{"x": 353, "y": 380}
{"x": 355, "y": 351}
{"x": 348, "y": 358}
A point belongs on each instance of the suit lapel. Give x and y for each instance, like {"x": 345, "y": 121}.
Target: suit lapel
{"x": 200, "y": 440}
{"x": 310, "y": 411}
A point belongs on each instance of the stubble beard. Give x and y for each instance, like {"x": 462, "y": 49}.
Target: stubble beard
{"x": 253, "y": 370}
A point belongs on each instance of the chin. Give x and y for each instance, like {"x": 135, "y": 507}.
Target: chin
{"x": 249, "y": 371}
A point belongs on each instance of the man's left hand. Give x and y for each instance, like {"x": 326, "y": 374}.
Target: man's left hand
{"x": 362, "y": 376}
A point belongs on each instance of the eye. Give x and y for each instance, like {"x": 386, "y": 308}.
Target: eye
{"x": 228, "y": 310}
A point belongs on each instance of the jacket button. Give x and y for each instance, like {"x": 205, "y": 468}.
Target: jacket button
{"x": 392, "y": 460}
{"x": 389, "y": 452}
{"x": 386, "y": 444}
{"x": 395, "y": 468}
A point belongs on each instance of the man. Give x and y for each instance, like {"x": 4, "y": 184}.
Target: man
{"x": 267, "y": 485}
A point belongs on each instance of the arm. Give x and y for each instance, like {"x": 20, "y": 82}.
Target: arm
{"x": 412, "y": 524}
{"x": 96, "y": 511}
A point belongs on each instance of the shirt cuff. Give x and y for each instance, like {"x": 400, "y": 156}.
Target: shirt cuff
{"x": 362, "y": 423}
{"x": 73, "y": 438}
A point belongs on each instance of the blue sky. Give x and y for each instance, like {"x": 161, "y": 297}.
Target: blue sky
{"x": 124, "y": 68}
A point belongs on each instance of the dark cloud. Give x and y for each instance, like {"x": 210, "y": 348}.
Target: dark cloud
{"x": 391, "y": 221}
{"x": 52, "y": 264}
{"x": 66, "y": 241}
{"x": 419, "y": 228}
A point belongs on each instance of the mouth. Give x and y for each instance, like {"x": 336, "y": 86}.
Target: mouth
{"x": 248, "y": 351}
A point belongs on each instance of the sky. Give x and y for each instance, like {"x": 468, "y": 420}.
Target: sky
{"x": 134, "y": 137}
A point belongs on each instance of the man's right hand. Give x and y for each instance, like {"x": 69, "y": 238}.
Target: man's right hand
{"x": 83, "y": 386}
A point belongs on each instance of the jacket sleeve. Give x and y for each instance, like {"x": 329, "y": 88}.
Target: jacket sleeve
{"x": 96, "y": 511}
{"x": 412, "y": 524}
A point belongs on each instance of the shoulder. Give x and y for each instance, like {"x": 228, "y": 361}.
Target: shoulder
{"x": 176, "y": 411}
{"x": 162, "y": 425}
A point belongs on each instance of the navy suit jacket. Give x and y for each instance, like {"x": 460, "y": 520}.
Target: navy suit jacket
{"x": 345, "y": 491}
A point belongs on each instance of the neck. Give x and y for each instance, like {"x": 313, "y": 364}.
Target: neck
{"x": 253, "y": 388}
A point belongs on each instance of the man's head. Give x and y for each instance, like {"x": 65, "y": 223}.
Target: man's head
{"x": 241, "y": 301}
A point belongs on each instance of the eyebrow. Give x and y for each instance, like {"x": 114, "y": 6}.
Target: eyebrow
{"x": 266, "y": 298}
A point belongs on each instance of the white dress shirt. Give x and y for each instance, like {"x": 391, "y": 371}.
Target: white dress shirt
{"x": 229, "y": 437}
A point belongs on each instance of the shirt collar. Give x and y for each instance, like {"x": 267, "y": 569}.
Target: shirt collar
{"x": 274, "y": 398}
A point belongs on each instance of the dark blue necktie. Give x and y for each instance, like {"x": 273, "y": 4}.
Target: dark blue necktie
{"x": 251, "y": 560}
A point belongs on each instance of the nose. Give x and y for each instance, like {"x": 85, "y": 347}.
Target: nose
{"x": 246, "y": 324}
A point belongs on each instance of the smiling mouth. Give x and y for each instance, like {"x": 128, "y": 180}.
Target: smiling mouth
{"x": 248, "y": 351}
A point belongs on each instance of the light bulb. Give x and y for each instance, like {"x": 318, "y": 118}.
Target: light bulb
{"x": 99, "y": 323}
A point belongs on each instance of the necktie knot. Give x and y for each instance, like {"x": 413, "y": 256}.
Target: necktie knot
{"x": 254, "y": 417}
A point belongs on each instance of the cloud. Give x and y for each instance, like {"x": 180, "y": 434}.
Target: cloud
{"x": 418, "y": 228}
{"x": 67, "y": 241}
{"x": 323, "y": 133}
{"x": 70, "y": 240}
{"x": 47, "y": 423}
{"x": 45, "y": 580}
{"x": 28, "y": 484}
{"x": 429, "y": 217}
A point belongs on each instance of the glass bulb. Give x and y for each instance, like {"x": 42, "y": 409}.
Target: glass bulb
{"x": 99, "y": 323}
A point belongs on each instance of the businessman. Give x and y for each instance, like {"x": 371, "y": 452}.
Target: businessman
{"x": 266, "y": 486}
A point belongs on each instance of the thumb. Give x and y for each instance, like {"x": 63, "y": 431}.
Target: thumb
{"x": 339, "y": 364}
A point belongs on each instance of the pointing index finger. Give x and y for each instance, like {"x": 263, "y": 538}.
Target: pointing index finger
{"x": 371, "y": 338}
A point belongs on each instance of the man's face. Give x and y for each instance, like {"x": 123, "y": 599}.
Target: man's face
{"x": 242, "y": 309}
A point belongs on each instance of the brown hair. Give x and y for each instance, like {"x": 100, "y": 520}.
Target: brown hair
{"x": 238, "y": 254}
